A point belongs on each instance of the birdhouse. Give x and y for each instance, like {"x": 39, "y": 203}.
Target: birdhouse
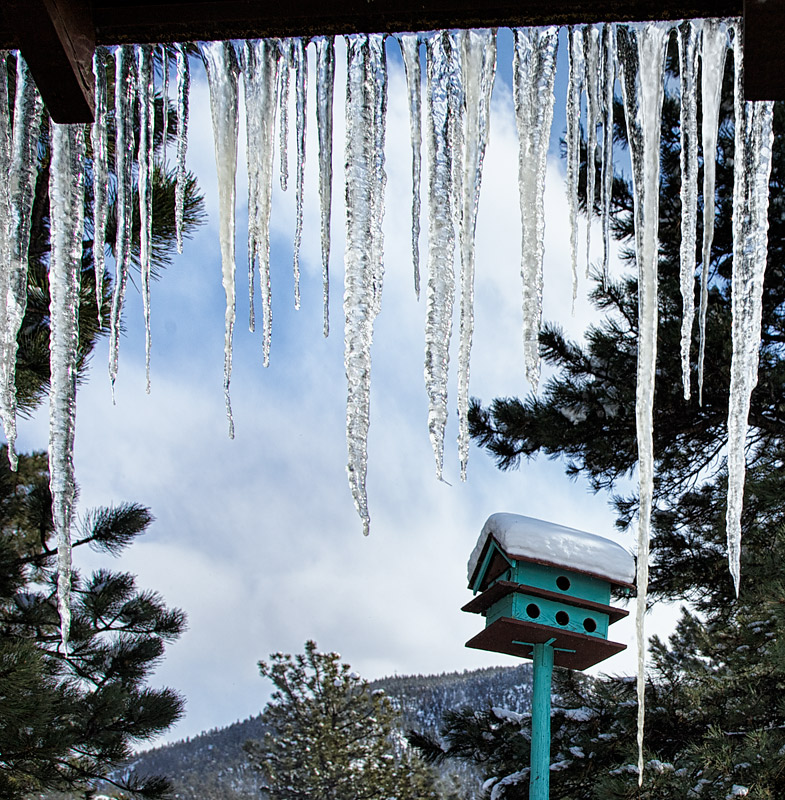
{"x": 537, "y": 582}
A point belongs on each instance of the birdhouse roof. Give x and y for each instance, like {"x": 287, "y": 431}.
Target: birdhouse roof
{"x": 556, "y": 545}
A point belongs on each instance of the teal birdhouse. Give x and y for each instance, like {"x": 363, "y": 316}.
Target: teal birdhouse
{"x": 537, "y": 582}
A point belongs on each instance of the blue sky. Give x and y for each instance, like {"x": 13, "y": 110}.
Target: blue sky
{"x": 257, "y": 539}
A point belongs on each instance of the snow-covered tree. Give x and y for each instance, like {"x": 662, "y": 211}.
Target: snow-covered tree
{"x": 330, "y": 737}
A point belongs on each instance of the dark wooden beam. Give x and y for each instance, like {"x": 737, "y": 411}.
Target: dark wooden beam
{"x": 132, "y": 21}
{"x": 57, "y": 40}
{"x": 764, "y": 49}
{"x": 136, "y": 21}
{"x": 57, "y": 37}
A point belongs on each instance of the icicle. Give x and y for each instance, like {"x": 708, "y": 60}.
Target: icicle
{"x": 183, "y": 88}
{"x": 534, "y": 68}
{"x": 222, "y": 71}
{"x": 410, "y": 48}
{"x": 146, "y": 100}
{"x": 688, "y": 61}
{"x": 441, "y": 237}
{"x": 260, "y": 76}
{"x": 165, "y": 100}
{"x": 283, "y": 107}
{"x": 609, "y": 76}
{"x": 325, "y": 82}
{"x": 66, "y": 193}
{"x": 124, "y": 138}
{"x": 591, "y": 42}
{"x": 366, "y": 93}
{"x": 713, "y": 50}
{"x": 300, "y": 63}
{"x": 479, "y": 71}
{"x": 575, "y": 81}
{"x": 6, "y": 146}
{"x": 641, "y": 55}
{"x": 21, "y": 182}
{"x": 751, "y": 171}
{"x": 100, "y": 175}
{"x": 456, "y": 118}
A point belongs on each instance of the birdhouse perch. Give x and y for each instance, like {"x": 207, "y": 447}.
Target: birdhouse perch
{"x": 540, "y": 582}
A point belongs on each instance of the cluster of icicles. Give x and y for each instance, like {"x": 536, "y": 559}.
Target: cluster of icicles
{"x": 460, "y": 71}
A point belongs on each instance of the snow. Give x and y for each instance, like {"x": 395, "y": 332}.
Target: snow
{"x": 505, "y": 715}
{"x": 579, "y": 714}
{"x": 550, "y": 543}
{"x": 737, "y": 791}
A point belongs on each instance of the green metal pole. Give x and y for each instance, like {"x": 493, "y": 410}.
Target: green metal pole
{"x": 539, "y": 777}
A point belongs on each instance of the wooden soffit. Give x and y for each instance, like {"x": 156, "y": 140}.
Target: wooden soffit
{"x": 57, "y": 37}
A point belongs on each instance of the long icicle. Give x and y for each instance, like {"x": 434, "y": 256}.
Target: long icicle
{"x": 574, "y": 83}
{"x": 410, "y": 48}
{"x": 183, "y": 90}
{"x": 123, "y": 105}
{"x": 688, "y": 31}
{"x": 441, "y": 238}
{"x": 608, "y": 79}
{"x": 479, "y": 70}
{"x": 713, "y": 50}
{"x": 283, "y": 108}
{"x": 365, "y": 182}
{"x": 164, "y": 101}
{"x": 751, "y": 171}
{"x": 6, "y": 146}
{"x": 66, "y": 192}
{"x": 300, "y": 63}
{"x": 21, "y": 180}
{"x": 325, "y": 83}
{"x": 261, "y": 77}
{"x": 592, "y": 48}
{"x": 222, "y": 72}
{"x": 642, "y": 56}
{"x": 98, "y": 139}
{"x": 146, "y": 101}
{"x": 534, "y": 70}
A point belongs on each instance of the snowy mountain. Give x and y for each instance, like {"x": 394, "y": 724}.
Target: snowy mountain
{"x": 213, "y": 766}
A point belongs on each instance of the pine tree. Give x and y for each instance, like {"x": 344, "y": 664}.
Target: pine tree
{"x": 715, "y": 716}
{"x": 68, "y": 720}
{"x": 332, "y": 738}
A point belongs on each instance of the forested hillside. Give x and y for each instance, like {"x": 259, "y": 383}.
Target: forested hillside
{"x": 213, "y": 766}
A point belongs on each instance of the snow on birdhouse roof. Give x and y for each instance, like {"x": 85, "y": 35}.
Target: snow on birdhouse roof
{"x": 549, "y": 543}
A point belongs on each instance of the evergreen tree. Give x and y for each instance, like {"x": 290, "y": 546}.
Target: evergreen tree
{"x": 68, "y": 720}
{"x": 715, "y": 716}
{"x": 332, "y": 738}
